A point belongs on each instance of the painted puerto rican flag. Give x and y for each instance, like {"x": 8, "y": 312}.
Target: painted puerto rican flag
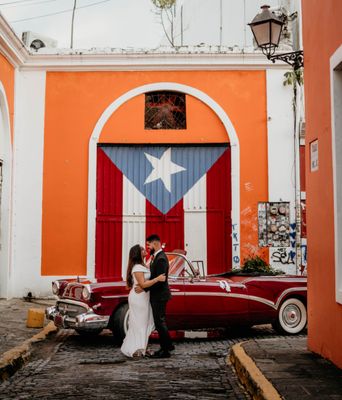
{"x": 182, "y": 193}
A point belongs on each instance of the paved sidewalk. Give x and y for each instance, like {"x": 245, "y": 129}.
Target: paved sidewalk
{"x": 13, "y": 316}
{"x": 15, "y": 338}
{"x": 283, "y": 368}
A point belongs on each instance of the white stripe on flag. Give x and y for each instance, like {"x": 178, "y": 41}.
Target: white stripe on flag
{"x": 133, "y": 220}
{"x": 195, "y": 222}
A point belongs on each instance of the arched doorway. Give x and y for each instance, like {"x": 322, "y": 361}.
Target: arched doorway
{"x": 231, "y": 160}
{"x": 5, "y": 193}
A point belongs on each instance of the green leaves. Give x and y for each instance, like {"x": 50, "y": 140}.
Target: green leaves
{"x": 293, "y": 77}
{"x": 256, "y": 265}
{"x": 163, "y": 4}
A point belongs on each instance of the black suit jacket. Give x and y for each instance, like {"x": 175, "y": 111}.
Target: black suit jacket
{"x": 160, "y": 291}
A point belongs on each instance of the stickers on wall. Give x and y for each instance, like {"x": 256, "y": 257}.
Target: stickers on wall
{"x": 274, "y": 224}
{"x": 314, "y": 156}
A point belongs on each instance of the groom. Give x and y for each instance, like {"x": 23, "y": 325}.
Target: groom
{"x": 159, "y": 295}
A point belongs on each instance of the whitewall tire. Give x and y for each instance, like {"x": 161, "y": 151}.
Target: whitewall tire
{"x": 292, "y": 317}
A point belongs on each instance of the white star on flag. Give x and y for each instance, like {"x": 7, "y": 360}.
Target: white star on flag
{"x": 163, "y": 169}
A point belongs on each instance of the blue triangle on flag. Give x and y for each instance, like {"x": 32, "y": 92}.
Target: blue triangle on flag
{"x": 164, "y": 174}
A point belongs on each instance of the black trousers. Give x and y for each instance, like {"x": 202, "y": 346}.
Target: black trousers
{"x": 158, "y": 310}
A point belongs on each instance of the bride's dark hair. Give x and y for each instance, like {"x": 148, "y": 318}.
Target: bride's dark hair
{"x": 134, "y": 258}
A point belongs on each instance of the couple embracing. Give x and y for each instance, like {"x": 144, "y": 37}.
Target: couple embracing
{"x": 148, "y": 296}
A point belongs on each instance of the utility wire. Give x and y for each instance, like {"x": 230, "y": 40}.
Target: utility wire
{"x": 58, "y": 12}
{"x": 11, "y": 5}
{"x": 17, "y": 2}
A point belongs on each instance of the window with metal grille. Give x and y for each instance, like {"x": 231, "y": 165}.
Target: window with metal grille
{"x": 165, "y": 110}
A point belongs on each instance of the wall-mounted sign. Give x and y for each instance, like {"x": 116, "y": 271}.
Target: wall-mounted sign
{"x": 314, "y": 155}
{"x": 274, "y": 224}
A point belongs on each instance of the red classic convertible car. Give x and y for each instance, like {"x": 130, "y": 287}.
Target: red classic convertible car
{"x": 197, "y": 302}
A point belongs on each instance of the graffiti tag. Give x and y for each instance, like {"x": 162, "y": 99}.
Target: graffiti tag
{"x": 283, "y": 257}
{"x": 236, "y": 244}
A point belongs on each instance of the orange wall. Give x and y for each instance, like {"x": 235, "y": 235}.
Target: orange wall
{"x": 7, "y": 79}
{"x": 74, "y": 103}
{"x": 325, "y": 315}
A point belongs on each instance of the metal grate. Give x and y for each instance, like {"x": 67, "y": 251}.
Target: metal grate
{"x": 165, "y": 110}
{"x": 71, "y": 310}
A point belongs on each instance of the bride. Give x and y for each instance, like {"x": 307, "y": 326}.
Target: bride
{"x": 140, "y": 313}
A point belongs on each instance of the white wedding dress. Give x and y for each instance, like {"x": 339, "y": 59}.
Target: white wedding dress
{"x": 140, "y": 320}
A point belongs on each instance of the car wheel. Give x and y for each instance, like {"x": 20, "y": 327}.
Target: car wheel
{"x": 120, "y": 323}
{"x": 292, "y": 317}
{"x": 88, "y": 333}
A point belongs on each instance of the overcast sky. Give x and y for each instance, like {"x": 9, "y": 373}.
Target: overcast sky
{"x": 110, "y": 23}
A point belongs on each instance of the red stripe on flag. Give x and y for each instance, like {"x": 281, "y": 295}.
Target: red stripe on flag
{"x": 109, "y": 207}
{"x": 169, "y": 227}
{"x": 219, "y": 225}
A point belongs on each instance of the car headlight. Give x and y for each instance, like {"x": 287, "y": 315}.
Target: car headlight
{"x": 55, "y": 287}
{"x": 86, "y": 293}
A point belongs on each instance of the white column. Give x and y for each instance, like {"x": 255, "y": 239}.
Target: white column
{"x": 5, "y": 193}
{"x": 195, "y": 222}
{"x": 133, "y": 220}
{"x": 281, "y": 171}
{"x": 27, "y": 185}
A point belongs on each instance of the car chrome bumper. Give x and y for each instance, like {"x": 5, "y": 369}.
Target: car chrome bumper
{"x": 87, "y": 321}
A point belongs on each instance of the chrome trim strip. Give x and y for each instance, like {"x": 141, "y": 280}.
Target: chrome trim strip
{"x": 215, "y": 294}
{"x": 91, "y": 320}
{"x": 254, "y": 298}
{"x": 115, "y": 296}
{"x": 276, "y": 278}
{"x": 74, "y": 302}
{"x": 222, "y": 294}
{"x": 249, "y": 297}
{"x": 231, "y": 283}
{"x": 234, "y": 295}
{"x": 285, "y": 292}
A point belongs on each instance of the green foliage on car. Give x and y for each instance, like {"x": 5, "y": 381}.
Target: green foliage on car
{"x": 255, "y": 265}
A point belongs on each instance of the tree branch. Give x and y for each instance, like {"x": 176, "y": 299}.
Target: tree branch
{"x": 165, "y": 30}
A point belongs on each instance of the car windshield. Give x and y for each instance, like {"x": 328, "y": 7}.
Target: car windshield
{"x": 179, "y": 266}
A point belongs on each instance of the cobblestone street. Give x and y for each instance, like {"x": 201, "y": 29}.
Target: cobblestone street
{"x": 69, "y": 366}
{"x": 12, "y": 332}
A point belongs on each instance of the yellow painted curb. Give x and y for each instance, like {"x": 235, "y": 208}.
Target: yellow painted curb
{"x": 13, "y": 359}
{"x": 250, "y": 375}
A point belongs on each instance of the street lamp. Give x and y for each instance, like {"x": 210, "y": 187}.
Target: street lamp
{"x": 267, "y": 28}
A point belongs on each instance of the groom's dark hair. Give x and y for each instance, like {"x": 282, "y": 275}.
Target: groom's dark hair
{"x": 153, "y": 238}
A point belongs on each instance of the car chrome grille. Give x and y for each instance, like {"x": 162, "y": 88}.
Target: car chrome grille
{"x": 71, "y": 310}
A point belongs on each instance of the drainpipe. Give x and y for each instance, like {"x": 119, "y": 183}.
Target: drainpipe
{"x": 298, "y": 249}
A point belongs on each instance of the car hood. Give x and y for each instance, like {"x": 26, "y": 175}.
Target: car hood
{"x": 73, "y": 290}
